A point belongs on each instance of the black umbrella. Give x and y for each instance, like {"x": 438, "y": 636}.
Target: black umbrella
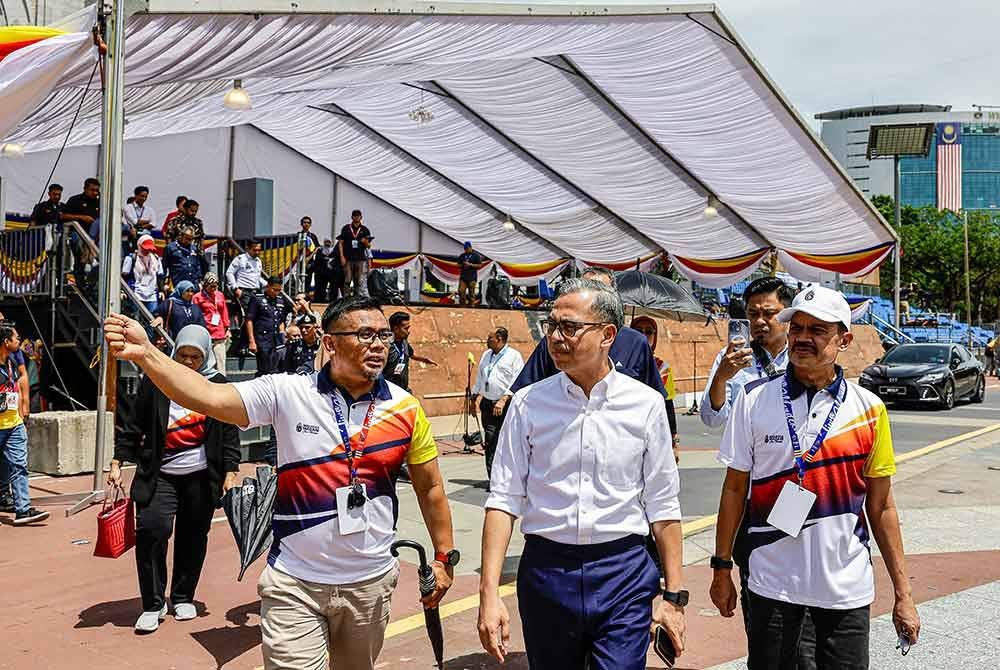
{"x": 248, "y": 508}
{"x": 432, "y": 617}
{"x": 656, "y": 296}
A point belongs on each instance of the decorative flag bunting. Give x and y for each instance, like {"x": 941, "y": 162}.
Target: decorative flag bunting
{"x": 528, "y": 274}
{"x": 644, "y": 264}
{"x": 23, "y": 260}
{"x": 32, "y": 61}
{"x": 395, "y": 261}
{"x": 809, "y": 267}
{"x": 859, "y": 307}
{"x": 719, "y": 273}
{"x": 446, "y": 268}
{"x": 949, "y": 166}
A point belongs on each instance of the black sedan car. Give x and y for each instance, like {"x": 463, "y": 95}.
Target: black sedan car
{"x": 929, "y": 373}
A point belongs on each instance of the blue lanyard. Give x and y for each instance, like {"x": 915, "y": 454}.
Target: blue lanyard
{"x": 401, "y": 350}
{"x": 338, "y": 413}
{"x": 494, "y": 359}
{"x": 802, "y": 458}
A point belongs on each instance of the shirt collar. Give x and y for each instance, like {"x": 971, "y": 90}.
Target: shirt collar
{"x": 601, "y": 388}
{"x": 326, "y": 386}
{"x": 797, "y": 388}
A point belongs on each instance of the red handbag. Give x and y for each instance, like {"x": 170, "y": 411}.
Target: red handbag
{"x": 115, "y": 526}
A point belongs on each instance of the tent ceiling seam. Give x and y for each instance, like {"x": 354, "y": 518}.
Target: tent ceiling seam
{"x": 638, "y": 127}
{"x": 623, "y": 225}
{"x": 562, "y": 253}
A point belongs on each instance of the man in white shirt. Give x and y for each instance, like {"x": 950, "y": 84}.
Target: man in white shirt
{"x": 343, "y": 434}
{"x": 584, "y": 460}
{"x": 814, "y": 452}
{"x": 499, "y": 366}
{"x": 137, "y": 213}
{"x": 245, "y": 278}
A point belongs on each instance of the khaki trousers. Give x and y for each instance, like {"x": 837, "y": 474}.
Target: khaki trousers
{"x": 219, "y": 348}
{"x": 309, "y": 626}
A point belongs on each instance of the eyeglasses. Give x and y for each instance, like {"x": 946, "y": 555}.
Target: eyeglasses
{"x": 568, "y": 328}
{"x": 754, "y": 314}
{"x": 367, "y": 335}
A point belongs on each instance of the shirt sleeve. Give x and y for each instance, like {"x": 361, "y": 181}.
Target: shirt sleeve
{"x": 127, "y": 265}
{"x": 661, "y": 481}
{"x": 509, "y": 481}
{"x": 514, "y": 363}
{"x": 423, "y": 448}
{"x": 259, "y": 399}
{"x": 538, "y": 367}
{"x": 736, "y": 448}
{"x": 477, "y": 386}
{"x": 231, "y": 273}
{"x": 882, "y": 458}
{"x": 711, "y": 417}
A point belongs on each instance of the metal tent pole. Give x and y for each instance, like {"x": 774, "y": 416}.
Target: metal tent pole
{"x": 112, "y": 141}
{"x": 968, "y": 281}
{"x": 899, "y": 240}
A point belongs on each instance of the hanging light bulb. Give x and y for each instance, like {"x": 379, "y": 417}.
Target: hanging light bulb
{"x": 421, "y": 115}
{"x": 237, "y": 99}
{"x": 12, "y": 150}
{"x": 508, "y": 225}
{"x": 712, "y": 208}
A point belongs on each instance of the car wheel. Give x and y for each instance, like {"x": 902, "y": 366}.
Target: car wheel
{"x": 980, "y": 394}
{"x": 948, "y": 397}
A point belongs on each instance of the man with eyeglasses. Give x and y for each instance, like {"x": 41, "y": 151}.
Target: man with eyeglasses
{"x": 498, "y": 367}
{"x": 584, "y": 461}
{"x": 326, "y": 590}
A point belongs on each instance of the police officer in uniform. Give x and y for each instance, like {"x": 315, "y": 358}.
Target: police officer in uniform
{"x": 266, "y": 324}
{"x": 300, "y": 355}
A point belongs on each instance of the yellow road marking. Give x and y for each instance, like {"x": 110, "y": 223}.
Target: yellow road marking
{"x": 467, "y": 603}
{"x": 931, "y": 448}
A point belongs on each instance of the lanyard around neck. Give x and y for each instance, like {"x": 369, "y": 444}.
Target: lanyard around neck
{"x": 345, "y": 436}
{"x": 802, "y": 458}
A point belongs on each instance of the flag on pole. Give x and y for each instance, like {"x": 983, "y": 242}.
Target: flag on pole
{"x": 949, "y": 166}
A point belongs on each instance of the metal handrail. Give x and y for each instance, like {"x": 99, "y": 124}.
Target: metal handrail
{"x": 262, "y": 272}
{"x": 85, "y": 237}
{"x": 900, "y": 335}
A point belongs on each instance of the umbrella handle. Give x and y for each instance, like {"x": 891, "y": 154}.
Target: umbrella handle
{"x": 426, "y": 575}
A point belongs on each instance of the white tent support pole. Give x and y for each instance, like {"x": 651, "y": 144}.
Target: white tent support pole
{"x": 624, "y": 226}
{"x": 333, "y": 206}
{"x": 898, "y": 263}
{"x": 649, "y": 138}
{"x": 112, "y": 143}
{"x": 230, "y": 167}
{"x": 500, "y": 215}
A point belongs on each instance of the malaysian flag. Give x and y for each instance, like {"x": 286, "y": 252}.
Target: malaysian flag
{"x": 949, "y": 166}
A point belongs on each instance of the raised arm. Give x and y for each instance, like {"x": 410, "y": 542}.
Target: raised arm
{"x": 127, "y": 340}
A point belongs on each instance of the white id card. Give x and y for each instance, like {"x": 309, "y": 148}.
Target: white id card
{"x": 11, "y": 400}
{"x": 350, "y": 520}
{"x": 216, "y": 319}
{"x": 791, "y": 508}
{"x": 354, "y": 244}
{"x": 398, "y": 370}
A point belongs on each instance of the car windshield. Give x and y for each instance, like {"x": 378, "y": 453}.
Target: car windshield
{"x": 917, "y": 354}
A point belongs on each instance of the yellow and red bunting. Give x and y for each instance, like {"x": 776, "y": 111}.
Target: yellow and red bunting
{"x": 523, "y": 274}
{"x": 13, "y": 38}
{"x": 395, "y": 261}
{"x": 854, "y": 264}
{"x": 644, "y": 263}
{"x": 721, "y": 272}
{"x": 446, "y": 268}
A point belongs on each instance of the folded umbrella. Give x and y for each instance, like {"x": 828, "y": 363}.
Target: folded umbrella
{"x": 656, "y": 296}
{"x": 432, "y": 617}
{"x": 248, "y": 508}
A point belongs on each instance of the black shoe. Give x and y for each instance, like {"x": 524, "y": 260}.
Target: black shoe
{"x": 6, "y": 504}
{"x": 31, "y": 516}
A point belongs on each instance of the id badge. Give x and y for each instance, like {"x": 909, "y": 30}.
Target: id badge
{"x": 11, "y": 400}
{"x": 791, "y": 509}
{"x": 216, "y": 319}
{"x": 350, "y": 520}
{"x": 398, "y": 370}
{"x": 354, "y": 244}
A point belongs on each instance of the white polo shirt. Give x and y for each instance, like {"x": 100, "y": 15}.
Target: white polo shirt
{"x": 829, "y": 564}
{"x": 497, "y": 371}
{"x": 312, "y": 464}
{"x": 717, "y": 418}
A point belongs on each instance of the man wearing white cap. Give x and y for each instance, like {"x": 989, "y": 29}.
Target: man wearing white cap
{"x": 815, "y": 452}
{"x": 144, "y": 272}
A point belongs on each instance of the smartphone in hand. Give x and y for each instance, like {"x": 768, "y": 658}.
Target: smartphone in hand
{"x": 663, "y": 647}
{"x": 739, "y": 329}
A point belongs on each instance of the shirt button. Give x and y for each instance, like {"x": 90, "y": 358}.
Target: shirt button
{"x": 814, "y": 415}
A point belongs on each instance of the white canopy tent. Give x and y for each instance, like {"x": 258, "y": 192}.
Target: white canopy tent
{"x": 602, "y": 133}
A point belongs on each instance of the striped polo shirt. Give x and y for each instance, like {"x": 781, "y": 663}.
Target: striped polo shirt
{"x": 829, "y": 564}
{"x": 312, "y": 464}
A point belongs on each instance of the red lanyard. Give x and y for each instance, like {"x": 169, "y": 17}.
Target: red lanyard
{"x": 345, "y": 434}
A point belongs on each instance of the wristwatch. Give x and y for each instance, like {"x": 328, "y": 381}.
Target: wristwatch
{"x": 679, "y": 598}
{"x": 720, "y": 563}
{"x": 450, "y": 558}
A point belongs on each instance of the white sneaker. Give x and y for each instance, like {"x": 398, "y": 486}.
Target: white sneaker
{"x": 184, "y": 612}
{"x": 148, "y": 622}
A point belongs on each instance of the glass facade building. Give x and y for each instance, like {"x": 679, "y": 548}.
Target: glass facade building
{"x": 980, "y": 171}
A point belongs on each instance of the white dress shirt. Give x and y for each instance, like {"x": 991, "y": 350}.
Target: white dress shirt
{"x": 497, "y": 371}
{"x": 246, "y": 272}
{"x": 717, "y": 418}
{"x": 581, "y": 470}
{"x": 134, "y": 213}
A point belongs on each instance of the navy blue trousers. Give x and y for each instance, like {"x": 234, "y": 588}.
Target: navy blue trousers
{"x": 586, "y": 603}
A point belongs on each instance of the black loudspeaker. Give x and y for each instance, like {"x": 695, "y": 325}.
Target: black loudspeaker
{"x": 253, "y": 208}
{"x": 498, "y": 291}
{"x": 383, "y": 285}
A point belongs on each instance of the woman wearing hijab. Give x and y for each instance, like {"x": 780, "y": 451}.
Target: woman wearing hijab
{"x": 179, "y": 311}
{"x": 648, "y": 327}
{"x": 184, "y": 463}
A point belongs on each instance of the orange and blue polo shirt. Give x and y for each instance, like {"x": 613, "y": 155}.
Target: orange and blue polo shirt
{"x": 829, "y": 564}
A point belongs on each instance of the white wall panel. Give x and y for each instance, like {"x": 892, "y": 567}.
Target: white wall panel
{"x": 24, "y": 178}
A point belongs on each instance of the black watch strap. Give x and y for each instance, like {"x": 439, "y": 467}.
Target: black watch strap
{"x": 720, "y": 563}
{"x": 679, "y": 598}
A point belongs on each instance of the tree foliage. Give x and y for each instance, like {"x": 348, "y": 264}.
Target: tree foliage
{"x": 933, "y": 257}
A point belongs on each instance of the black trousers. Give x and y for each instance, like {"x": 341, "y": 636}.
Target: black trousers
{"x": 777, "y": 629}
{"x": 327, "y": 287}
{"x": 267, "y": 362}
{"x": 491, "y": 430}
{"x": 807, "y": 641}
{"x": 188, "y": 501}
